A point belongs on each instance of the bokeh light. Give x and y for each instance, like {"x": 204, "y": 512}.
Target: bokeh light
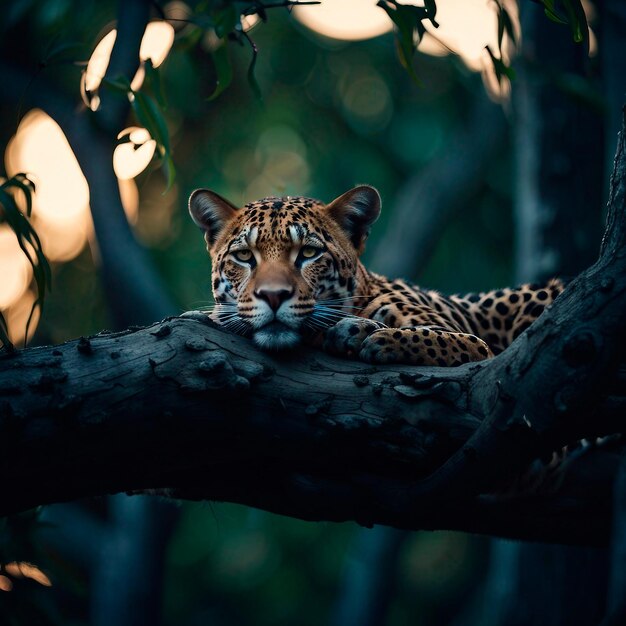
{"x": 61, "y": 201}
{"x": 156, "y": 43}
{"x": 367, "y": 101}
{"x": 129, "y": 194}
{"x": 132, "y": 157}
{"x": 347, "y": 20}
{"x": 281, "y": 163}
{"x": 23, "y": 569}
{"x": 99, "y": 61}
{"x": 466, "y": 28}
{"x": 16, "y": 270}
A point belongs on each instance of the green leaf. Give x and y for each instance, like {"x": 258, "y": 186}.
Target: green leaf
{"x": 120, "y": 84}
{"x": 27, "y": 239}
{"x": 151, "y": 118}
{"x": 500, "y": 67}
{"x": 4, "y": 334}
{"x": 223, "y": 69}
{"x": 407, "y": 19}
{"x": 431, "y": 9}
{"x": 170, "y": 173}
{"x": 577, "y": 21}
{"x": 61, "y": 52}
{"x": 226, "y": 20}
{"x": 507, "y": 23}
{"x": 22, "y": 182}
{"x": 555, "y": 17}
{"x": 153, "y": 77}
{"x": 254, "y": 85}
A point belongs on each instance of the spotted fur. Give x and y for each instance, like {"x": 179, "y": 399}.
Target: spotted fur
{"x": 287, "y": 270}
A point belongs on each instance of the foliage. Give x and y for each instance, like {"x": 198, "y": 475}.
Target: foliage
{"x": 409, "y": 21}
{"x": 24, "y": 604}
{"x": 28, "y": 241}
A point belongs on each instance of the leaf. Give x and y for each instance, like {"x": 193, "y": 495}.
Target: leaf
{"x": 507, "y": 22}
{"x": 226, "y": 20}
{"x": 153, "y": 77}
{"x": 4, "y": 334}
{"x": 151, "y": 118}
{"x": 120, "y": 84}
{"x": 500, "y": 67}
{"x": 407, "y": 19}
{"x": 223, "y": 69}
{"x": 577, "y": 21}
{"x": 22, "y": 182}
{"x": 61, "y": 52}
{"x": 170, "y": 173}
{"x": 28, "y": 240}
{"x": 431, "y": 9}
{"x": 254, "y": 85}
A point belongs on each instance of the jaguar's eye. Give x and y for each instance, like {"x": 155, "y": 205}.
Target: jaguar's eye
{"x": 308, "y": 252}
{"x": 244, "y": 255}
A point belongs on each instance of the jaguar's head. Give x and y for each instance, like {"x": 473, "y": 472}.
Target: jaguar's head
{"x": 284, "y": 268}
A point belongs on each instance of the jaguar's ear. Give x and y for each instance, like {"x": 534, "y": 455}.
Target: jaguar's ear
{"x": 356, "y": 211}
{"x": 210, "y": 212}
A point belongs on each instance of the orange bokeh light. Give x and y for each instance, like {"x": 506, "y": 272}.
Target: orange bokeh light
{"x": 466, "y": 27}
{"x": 61, "y": 200}
{"x": 132, "y": 158}
{"x": 156, "y": 43}
{"x": 23, "y": 569}
{"x": 347, "y": 20}
{"x": 16, "y": 270}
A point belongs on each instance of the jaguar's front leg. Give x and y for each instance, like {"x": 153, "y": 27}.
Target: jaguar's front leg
{"x": 421, "y": 345}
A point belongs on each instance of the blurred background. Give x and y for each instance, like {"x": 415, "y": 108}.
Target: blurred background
{"x": 485, "y": 183}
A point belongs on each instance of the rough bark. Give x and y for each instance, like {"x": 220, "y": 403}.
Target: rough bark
{"x": 183, "y": 405}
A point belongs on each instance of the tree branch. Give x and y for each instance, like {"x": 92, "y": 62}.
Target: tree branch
{"x": 311, "y": 437}
{"x": 185, "y": 406}
{"x": 320, "y": 438}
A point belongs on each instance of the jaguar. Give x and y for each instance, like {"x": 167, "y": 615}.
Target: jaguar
{"x": 287, "y": 270}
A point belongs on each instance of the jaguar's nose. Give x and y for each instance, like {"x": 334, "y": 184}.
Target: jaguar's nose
{"x": 274, "y": 297}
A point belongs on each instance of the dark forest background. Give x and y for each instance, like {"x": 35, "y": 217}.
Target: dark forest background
{"x": 477, "y": 193}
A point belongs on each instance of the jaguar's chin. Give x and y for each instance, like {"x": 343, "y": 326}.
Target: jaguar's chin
{"x": 276, "y": 336}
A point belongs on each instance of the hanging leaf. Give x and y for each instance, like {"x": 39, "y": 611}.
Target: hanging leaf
{"x": 507, "y": 23}
{"x": 4, "y": 333}
{"x": 151, "y": 118}
{"x": 254, "y": 85}
{"x": 577, "y": 21}
{"x": 59, "y": 52}
{"x": 153, "y": 79}
{"x": 572, "y": 13}
{"x": 223, "y": 69}
{"x": 408, "y": 21}
{"x": 120, "y": 84}
{"x": 431, "y": 9}
{"x": 500, "y": 67}
{"x": 226, "y": 20}
{"x": 28, "y": 241}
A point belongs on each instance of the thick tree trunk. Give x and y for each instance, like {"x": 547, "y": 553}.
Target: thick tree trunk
{"x": 559, "y": 188}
